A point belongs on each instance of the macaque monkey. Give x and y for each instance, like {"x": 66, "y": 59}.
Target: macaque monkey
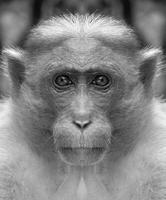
{"x": 82, "y": 122}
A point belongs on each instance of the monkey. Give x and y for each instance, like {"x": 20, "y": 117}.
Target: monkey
{"x": 82, "y": 121}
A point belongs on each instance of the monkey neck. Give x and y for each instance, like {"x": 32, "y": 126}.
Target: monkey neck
{"x": 82, "y": 183}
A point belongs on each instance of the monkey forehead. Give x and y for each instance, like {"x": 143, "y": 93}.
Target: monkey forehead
{"x": 82, "y": 57}
{"x": 54, "y": 31}
{"x": 81, "y": 44}
{"x": 82, "y": 41}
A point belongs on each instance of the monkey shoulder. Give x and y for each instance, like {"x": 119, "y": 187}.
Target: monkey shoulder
{"x": 155, "y": 155}
{"x": 6, "y": 153}
{"x": 157, "y": 131}
{"x": 13, "y": 154}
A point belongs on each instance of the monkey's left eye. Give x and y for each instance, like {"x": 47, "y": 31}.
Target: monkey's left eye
{"x": 62, "y": 81}
{"x": 101, "y": 81}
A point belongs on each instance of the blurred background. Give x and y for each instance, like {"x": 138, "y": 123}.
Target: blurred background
{"x": 147, "y": 17}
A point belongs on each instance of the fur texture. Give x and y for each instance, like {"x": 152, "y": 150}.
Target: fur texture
{"x": 128, "y": 118}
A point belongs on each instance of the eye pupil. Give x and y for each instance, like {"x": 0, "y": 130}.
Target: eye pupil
{"x": 62, "y": 80}
{"x": 101, "y": 80}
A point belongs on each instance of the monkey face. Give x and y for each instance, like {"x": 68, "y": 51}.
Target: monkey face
{"x": 87, "y": 94}
{"x": 84, "y": 91}
{"x": 82, "y": 132}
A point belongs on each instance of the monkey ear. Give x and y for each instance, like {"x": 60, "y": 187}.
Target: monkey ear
{"x": 148, "y": 67}
{"x": 16, "y": 68}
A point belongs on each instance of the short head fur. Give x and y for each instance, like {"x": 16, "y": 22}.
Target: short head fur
{"x": 83, "y": 43}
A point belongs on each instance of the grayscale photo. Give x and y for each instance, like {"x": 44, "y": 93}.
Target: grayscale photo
{"x": 82, "y": 100}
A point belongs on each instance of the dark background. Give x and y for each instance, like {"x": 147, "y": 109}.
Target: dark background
{"x": 147, "y": 17}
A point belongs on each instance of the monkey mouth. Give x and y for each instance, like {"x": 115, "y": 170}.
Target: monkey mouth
{"x": 81, "y": 156}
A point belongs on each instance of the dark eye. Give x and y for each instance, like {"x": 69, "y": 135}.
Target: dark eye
{"x": 101, "y": 81}
{"x": 62, "y": 81}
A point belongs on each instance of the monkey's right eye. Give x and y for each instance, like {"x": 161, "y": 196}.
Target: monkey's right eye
{"x": 62, "y": 81}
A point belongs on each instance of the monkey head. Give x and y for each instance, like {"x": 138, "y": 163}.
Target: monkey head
{"x": 81, "y": 87}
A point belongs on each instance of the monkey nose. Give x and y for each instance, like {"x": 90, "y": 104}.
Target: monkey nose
{"x": 82, "y": 124}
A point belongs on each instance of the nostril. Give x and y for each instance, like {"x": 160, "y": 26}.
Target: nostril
{"x": 82, "y": 124}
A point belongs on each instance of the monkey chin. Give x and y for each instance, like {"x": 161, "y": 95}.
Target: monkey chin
{"x": 82, "y": 156}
